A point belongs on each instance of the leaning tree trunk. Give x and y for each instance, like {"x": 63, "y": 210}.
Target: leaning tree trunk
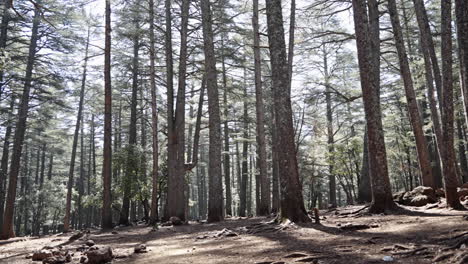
{"x": 265, "y": 200}
{"x": 106, "y": 220}
{"x": 413, "y": 110}
{"x": 215, "y": 194}
{"x": 448, "y": 157}
{"x": 79, "y": 117}
{"x": 367, "y": 50}
{"x": 292, "y": 202}
{"x": 7, "y": 230}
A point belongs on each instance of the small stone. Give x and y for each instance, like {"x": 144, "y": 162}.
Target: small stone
{"x": 90, "y": 243}
{"x": 115, "y": 232}
{"x": 41, "y": 255}
{"x": 55, "y": 260}
{"x": 387, "y": 258}
{"x": 83, "y": 259}
{"x": 140, "y": 249}
{"x": 98, "y": 256}
{"x": 175, "y": 220}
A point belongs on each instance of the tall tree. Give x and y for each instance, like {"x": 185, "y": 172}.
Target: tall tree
{"x": 106, "y": 220}
{"x": 154, "y": 120}
{"x": 461, "y": 11}
{"x": 447, "y": 108}
{"x": 265, "y": 200}
{"x": 79, "y": 117}
{"x": 7, "y": 230}
{"x": 370, "y": 77}
{"x": 215, "y": 194}
{"x": 226, "y": 156}
{"x": 292, "y": 202}
{"x": 5, "y": 158}
{"x": 413, "y": 110}
{"x": 132, "y": 169}
{"x": 3, "y": 38}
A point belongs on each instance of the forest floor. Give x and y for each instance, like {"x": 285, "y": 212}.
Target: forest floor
{"x": 416, "y": 235}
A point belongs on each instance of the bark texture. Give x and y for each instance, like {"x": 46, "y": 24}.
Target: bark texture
{"x": 292, "y": 202}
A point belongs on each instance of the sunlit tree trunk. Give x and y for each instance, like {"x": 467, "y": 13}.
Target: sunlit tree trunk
{"x": 292, "y": 202}
{"x": 413, "y": 110}
{"x": 368, "y": 64}
{"x": 447, "y": 108}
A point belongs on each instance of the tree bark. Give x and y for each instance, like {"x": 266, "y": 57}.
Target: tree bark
{"x": 4, "y": 161}
{"x": 461, "y": 11}
{"x": 154, "y": 121}
{"x": 330, "y": 133}
{"x": 292, "y": 202}
{"x": 227, "y": 157}
{"x": 364, "y": 186}
{"x": 3, "y": 39}
{"x": 7, "y": 230}
{"x": 413, "y": 110}
{"x": 367, "y": 55}
{"x": 448, "y": 157}
{"x": 107, "y": 163}
{"x": 265, "y": 195}
{"x": 215, "y": 195}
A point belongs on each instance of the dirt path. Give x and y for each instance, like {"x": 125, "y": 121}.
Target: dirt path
{"x": 417, "y": 236}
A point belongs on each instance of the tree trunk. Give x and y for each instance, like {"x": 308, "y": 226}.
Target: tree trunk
{"x": 3, "y": 39}
{"x": 427, "y": 45}
{"x": 364, "y": 186}
{"x": 215, "y": 195}
{"x": 106, "y": 220}
{"x": 330, "y": 133}
{"x": 79, "y": 117}
{"x": 462, "y": 150}
{"x": 275, "y": 172}
{"x": 154, "y": 121}
{"x": 7, "y": 230}
{"x": 292, "y": 202}
{"x": 292, "y": 29}
{"x": 227, "y": 157}
{"x": 368, "y": 52}
{"x": 448, "y": 157}
{"x": 245, "y": 148}
{"x": 4, "y": 161}
{"x": 413, "y": 110}
{"x": 461, "y": 11}
{"x": 265, "y": 200}
{"x": 132, "y": 169}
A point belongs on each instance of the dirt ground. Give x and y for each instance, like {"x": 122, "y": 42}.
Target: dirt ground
{"x": 415, "y": 235}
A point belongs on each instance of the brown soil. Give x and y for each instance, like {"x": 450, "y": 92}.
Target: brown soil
{"x": 416, "y": 235}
